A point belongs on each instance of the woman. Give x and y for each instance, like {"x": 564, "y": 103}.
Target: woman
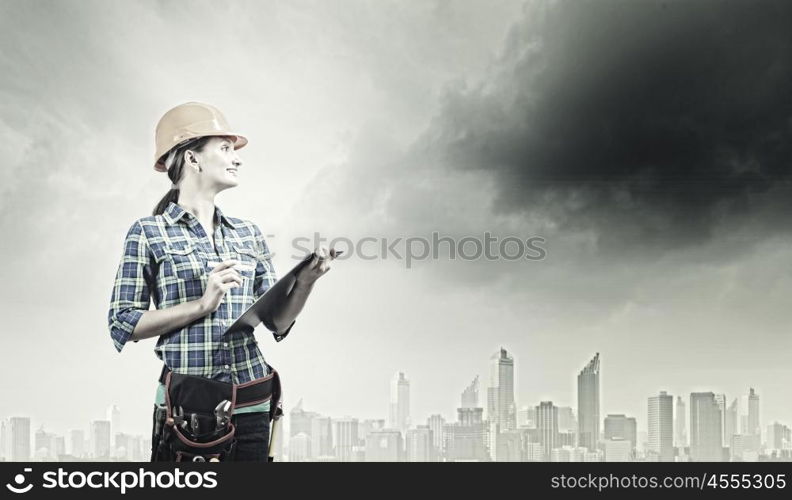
{"x": 202, "y": 269}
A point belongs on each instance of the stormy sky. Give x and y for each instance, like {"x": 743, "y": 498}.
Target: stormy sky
{"x": 647, "y": 142}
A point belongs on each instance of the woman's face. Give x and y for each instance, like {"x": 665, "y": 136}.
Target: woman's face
{"x": 219, "y": 163}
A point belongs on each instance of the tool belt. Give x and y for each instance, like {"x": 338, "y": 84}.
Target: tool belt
{"x": 195, "y": 422}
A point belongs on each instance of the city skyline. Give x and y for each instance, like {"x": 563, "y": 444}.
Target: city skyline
{"x": 316, "y": 436}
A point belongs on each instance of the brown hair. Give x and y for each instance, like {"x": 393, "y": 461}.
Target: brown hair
{"x": 175, "y": 171}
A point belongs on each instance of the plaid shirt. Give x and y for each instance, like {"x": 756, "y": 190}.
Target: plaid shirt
{"x": 165, "y": 258}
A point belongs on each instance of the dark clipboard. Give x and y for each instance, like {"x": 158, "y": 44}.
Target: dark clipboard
{"x": 261, "y": 310}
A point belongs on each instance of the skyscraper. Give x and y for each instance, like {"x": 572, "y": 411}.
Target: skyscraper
{"x": 113, "y": 415}
{"x": 720, "y": 399}
{"x": 299, "y": 447}
{"x": 20, "y": 439}
{"x": 44, "y": 445}
{"x": 470, "y": 397}
{"x": 680, "y": 423}
{"x": 526, "y": 417}
{"x": 301, "y": 421}
{"x": 705, "y": 428}
{"x": 753, "y": 430}
{"x": 100, "y": 438}
{"x": 778, "y": 437}
{"x": 566, "y": 419}
{"x": 621, "y": 427}
{"x": 547, "y": 427}
{"x": 618, "y": 450}
{"x": 346, "y": 434}
{"x": 419, "y": 445}
{"x": 466, "y": 439}
{"x": 661, "y": 426}
{"x": 500, "y": 395}
{"x": 5, "y": 440}
{"x": 589, "y": 404}
{"x": 321, "y": 437}
{"x": 77, "y": 441}
{"x": 436, "y": 424}
{"x": 384, "y": 446}
{"x": 399, "y": 403}
{"x": 754, "y": 426}
{"x": 731, "y": 422}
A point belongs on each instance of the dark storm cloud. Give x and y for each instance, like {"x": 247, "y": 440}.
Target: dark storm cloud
{"x": 650, "y": 122}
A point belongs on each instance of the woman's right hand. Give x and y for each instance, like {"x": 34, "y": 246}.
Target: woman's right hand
{"x": 221, "y": 279}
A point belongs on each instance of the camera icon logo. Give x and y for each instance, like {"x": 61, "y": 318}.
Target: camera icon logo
{"x": 19, "y": 480}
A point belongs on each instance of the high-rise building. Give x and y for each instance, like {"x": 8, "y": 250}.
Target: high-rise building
{"x": 346, "y": 434}
{"x": 533, "y": 452}
{"x": 77, "y": 442}
{"x": 731, "y": 422}
{"x": 566, "y": 419}
{"x": 436, "y": 424}
{"x": 299, "y": 420}
{"x": 680, "y": 424}
{"x": 100, "y": 438}
{"x": 526, "y": 417}
{"x": 59, "y": 443}
{"x": 589, "y": 404}
{"x": 384, "y": 446}
{"x": 113, "y": 415}
{"x": 320, "y": 440}
{"x": 367, "y": 426}
{"x": 547, "y": 426}
{"x": 754, "y": 425}
{"x": 705, "y": 428}
{"x": 470, "y": 396}
{"x": 618, "y": 450}
{"x": 124, "y": 445}
{"x": 419, "y": 445}
{"x": 661, "y": 426}
{"x": 621, "y": 427}
{"x": 299, "y": 447}
{"x": 509, "y": 446}
{"x": 501, "y": 408}
{"x": 720, "y": 400}
{"x": 44, "y": 445}
{"x": 20, "y": 439}
{"x": 399, "y": 403}
{"x": 5, "y": 440}
{"x": 465, "y": 440}
{"x": 778, "y": 437}
{"x": 302, "y": 421}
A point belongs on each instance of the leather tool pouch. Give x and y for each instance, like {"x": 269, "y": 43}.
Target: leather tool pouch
{"x": 193, "y": 430}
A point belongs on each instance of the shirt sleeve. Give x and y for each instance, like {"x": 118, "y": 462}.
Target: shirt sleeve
{"x": 265, "y": 275}
{"x": 131, "y": 295}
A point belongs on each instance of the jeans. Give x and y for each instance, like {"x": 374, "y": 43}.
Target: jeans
{"x": 252, "y": 436}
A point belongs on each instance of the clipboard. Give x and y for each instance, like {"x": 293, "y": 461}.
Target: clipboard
{"x": 261, "y": 310}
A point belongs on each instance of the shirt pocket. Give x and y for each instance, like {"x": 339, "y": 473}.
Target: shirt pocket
{"x": 184, "y": 261}
{"x": 248, "y": 261}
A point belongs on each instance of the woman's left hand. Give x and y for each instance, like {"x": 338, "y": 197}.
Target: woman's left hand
{"x": 317, "y": 268}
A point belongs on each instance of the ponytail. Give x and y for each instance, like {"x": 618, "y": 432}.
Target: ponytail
{"x": 175, "y": 170}
{"x": 171, "y": 196}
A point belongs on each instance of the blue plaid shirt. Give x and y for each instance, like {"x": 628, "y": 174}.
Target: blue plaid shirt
{"x": 165, "y": 259}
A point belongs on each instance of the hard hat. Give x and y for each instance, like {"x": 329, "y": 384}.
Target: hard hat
{"x": 188, "y": 121}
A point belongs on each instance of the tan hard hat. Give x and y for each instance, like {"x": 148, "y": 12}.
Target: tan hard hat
{"x": 188, "y": 121}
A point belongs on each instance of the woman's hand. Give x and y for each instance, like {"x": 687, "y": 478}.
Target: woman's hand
{"x": 317, "y": 268}
{"x": 221, "y": 279}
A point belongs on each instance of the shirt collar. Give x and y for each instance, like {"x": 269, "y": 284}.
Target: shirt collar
{"x": 174, "y": 212}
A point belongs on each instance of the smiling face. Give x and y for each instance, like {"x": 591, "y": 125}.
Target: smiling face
{"x": 219, "y": 163}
